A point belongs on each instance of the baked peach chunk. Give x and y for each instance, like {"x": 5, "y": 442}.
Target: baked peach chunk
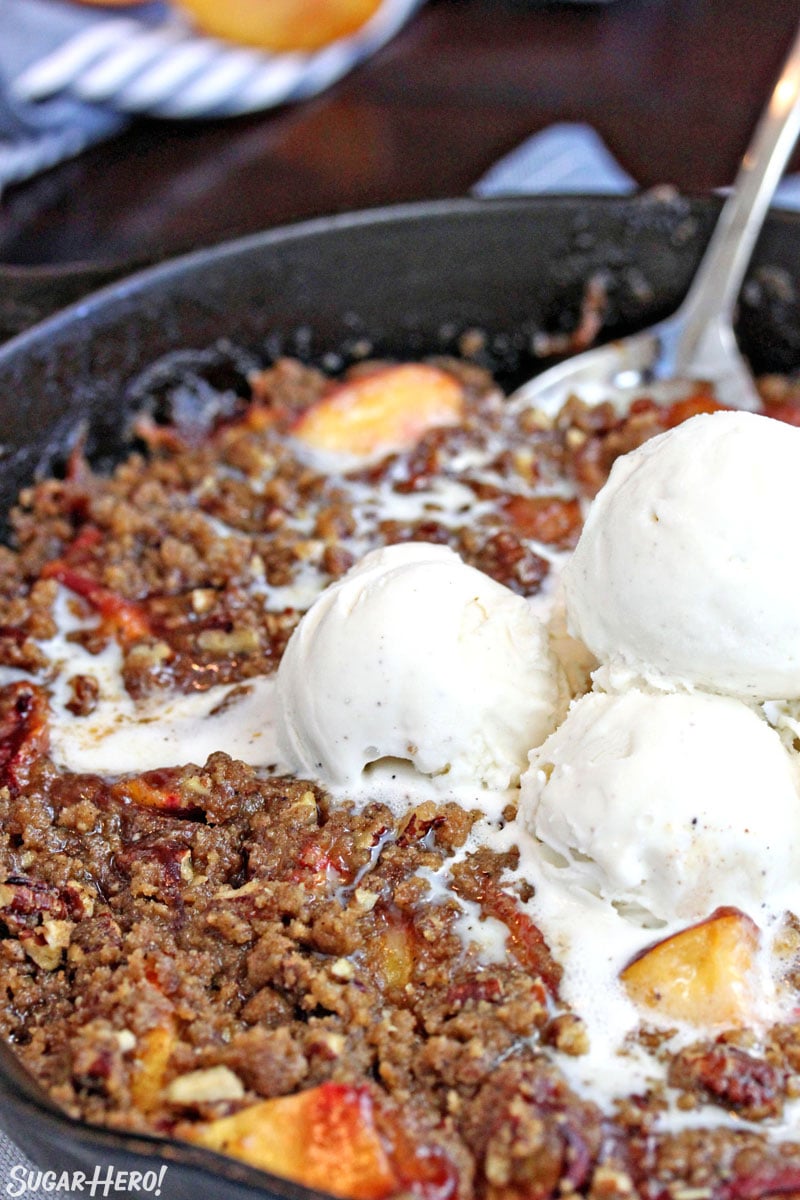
{"x": 391, "y": 952}
{"x": 152, "y": 1056}
{"x": 704, "y": 974}
{"x": 324, "y": 1137}
{"x": 280, "y": 24}
{"x": 382, "y": 412}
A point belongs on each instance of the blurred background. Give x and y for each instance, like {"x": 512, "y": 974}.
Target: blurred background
{"x": 672, "y": 88}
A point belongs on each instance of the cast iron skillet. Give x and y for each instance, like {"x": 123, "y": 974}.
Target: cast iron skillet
{"x": 405, "y": 281}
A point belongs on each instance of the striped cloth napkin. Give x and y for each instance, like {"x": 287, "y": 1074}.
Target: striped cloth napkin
{"x": 573, "y": 158}
{"x": 72, "y": 75}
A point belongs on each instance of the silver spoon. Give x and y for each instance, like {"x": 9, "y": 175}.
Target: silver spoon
{"x": 697, "y": 342}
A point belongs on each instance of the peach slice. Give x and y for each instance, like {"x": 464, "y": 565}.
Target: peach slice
{"x": 280, "y": 24}
{"x": 324, "y": 1137}
{"x": 382, "y": 412}
{"x": 392, "y": 954}
{"x": 704, "y": 975}
{"x": 152, "y": 1056}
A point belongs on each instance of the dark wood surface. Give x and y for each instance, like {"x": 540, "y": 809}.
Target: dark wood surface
{"x": 673, "y": 86}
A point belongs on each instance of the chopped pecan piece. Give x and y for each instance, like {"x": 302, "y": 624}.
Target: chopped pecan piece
{"x": 549, "y": 519}
{"x": 730, "y": 1077}
{"x": 46, "y": 944}
{"x": 85, "y": 694}
{"x": 26, "y": 903}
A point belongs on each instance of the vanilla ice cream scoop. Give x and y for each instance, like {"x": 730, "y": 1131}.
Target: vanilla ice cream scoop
{"x": 665, "y": 805}
{"x": 416, "y": 656}
{"x": 686, "y": 573}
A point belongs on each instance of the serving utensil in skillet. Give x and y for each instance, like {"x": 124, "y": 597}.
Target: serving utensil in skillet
{"x": 697, "y": 342}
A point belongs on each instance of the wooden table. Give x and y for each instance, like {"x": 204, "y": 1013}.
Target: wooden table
{"x": 673, "y": 86}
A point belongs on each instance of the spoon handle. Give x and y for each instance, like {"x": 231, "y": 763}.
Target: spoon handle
{"x": 715, "y": 288}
